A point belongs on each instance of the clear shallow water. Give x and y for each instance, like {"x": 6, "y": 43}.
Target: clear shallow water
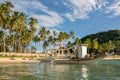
{"x": 92, "y": 70}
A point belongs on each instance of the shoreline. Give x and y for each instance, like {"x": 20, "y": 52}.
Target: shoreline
{"x": 18, "y": 60}
{"x": 34, "y": 60}
{"x": 112, "y": 57}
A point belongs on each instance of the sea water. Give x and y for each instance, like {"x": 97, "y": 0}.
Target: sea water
{"x": 90, "y": 70}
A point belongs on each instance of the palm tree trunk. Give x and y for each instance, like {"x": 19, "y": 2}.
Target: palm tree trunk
{"x": 4, "y": 49}
{"x": 36, "y": 49}
{"x": 31, "y": 44}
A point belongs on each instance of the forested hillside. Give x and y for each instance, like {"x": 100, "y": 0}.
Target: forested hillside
{"x": 105, "y": 41}
{"x": 105, "y": 36}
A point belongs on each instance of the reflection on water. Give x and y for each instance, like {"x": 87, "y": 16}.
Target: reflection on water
{"x": 84, "y": 72}
{"x": 103, "y": 70}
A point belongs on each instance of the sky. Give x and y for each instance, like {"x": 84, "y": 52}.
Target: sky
{"x": 84, "y": 17}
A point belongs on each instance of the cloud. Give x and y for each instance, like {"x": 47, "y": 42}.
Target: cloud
{"x": 80, "y": 9}
{"x": 48, "y": 21}
{"x": 114, "y": 9}
{"x": 69, "y": 16}
{"x": 34, "y": 8}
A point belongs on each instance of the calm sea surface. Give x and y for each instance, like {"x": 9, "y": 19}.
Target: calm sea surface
{"x": 91, "y": 70}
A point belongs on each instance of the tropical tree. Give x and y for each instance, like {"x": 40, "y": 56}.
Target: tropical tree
{"x": 100, "y": 48}
{"x": 14, "y": 24}
{"x": 32, "y": 24}
{"x": 45, "y": 44}
{"x": 43, "y": 35}
{"x": 111, "y": 45}
{"x": 22, "y": 25}
{"x": 54, "y": 38}
{"x": 71, "y": 35}
{"x": 51, "y": 40}
{"x": 36, "y": 39}
{"x": 33, "y": 49}
{"x": 77, "y": 41}
{"x": 89, "y": 44}
{"x": 5, "y": 10}
{"x": 62, "y": 36}
{"x": 25, "y": 38}
{"x": 69, "y": 44}
{"x": 1, "y": 41}
{"x": 95, "y": 45}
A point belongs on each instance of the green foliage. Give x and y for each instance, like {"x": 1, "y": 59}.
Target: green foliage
{"x": 95, "y": 43}
{"x": 105, "y": 36}
{"x": 18, "y": 34}
{"x": 45, "y": 44}
{"x": 69, "y": 44}
{"x": 103, "y": 41}
{"x": 88, "y": 42}
{"x": 77, "y": 41}
{"x": 33, "y": 49}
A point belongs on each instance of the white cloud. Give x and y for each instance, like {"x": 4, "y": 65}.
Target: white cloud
{"x": 69, "y": 16}
{"x": 48, "y": 21}
{"x": 32, "y": 7}
{"x": 80, "y": 9}
{"x": 114, "y": 9}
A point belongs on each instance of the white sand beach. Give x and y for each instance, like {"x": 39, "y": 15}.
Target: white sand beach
{"x": 17, "y": 60}
{"x": 113, "y": 57}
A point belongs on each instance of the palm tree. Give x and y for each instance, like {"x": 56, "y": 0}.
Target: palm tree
{"x": 77, "y": 41}
{"x": 25, "y": 38}
{"x": 1, "y": 42}
{"x": 4, "y": 17}
{"x": 62, "y": 36}
{"x": 71, "y": 34}
{"x": 95, "y": 45}
{"x": 32, "y": 24}
{"x": 36, "y": 39}
{"x": 33, "y": 49}
{"x": 43, "y": 34}
{"x": 1, "y": 14}
{"x": 69, "y": 44}
{"x": 22, "y": 28}
{"x": 89, "y": 44}
{"x": 14, "y": 22}
{"x": 54, "y": 39}
{"x": 45, "y": 44}
{"x": 51, "y": 40}
{"x": 5, "y": 10}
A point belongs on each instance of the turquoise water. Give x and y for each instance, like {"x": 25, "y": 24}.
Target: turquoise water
{"x": 91, "y": 70}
